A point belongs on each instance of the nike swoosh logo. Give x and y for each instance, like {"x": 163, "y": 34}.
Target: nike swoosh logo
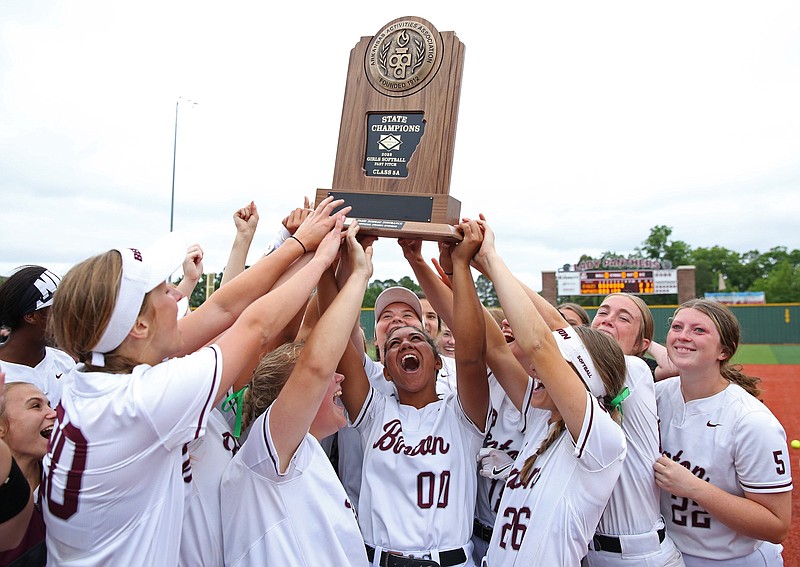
{"x": 709, "y": 424}
{"x": 59, "y": 375}
{"x": 496, "y": 471}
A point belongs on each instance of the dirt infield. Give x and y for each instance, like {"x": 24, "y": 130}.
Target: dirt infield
{"x": 780, "y": 382}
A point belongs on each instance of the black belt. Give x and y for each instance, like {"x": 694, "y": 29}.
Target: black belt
{"x": 446, "y": 559}
{"x": 609, "y": 543}
{"x": 482, "y": 531}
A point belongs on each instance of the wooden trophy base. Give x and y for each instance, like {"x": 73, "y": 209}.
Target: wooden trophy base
{"x": 427, "y": 216}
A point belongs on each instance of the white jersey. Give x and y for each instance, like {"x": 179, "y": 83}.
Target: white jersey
{"x": 205, "y": 460}
{"x": 350, "y": 447}
{"x": 446, "y": 378}
{"x": 550, "y": 519}
{"x": 419, "y": 481}
{"x": 349, "y": 444}
{"x": 505, "y": 430}
{"x": 49, "y": 375}
{"x": 734, "y": 442}
{"x": 637, "y": 482}
{"x": 301, "y": 517}
{"x": 114, "y": 492}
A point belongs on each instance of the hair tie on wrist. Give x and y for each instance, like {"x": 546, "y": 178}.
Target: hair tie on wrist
{"x": 300, "y": 243}
{"x": 448, "y": 273}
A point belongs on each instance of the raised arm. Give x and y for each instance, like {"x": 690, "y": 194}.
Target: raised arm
{"x": 299, "y": 400}
{"x": 356, "y": 386}
{"x": 469, "y": 329}
{"x": 534, "y": 337}
{"x": 289, "y": 332}
{"x": 511, "y": 375}
{"x": 436, "y": 291}
{"x": 228, "y": 302}
{"x": 342, "y": 273}
{"x": 192, "y": 270}
{"x": 246, "y": 222}
{"x": 261, "y": 322}
{"x": 551, "y": 315}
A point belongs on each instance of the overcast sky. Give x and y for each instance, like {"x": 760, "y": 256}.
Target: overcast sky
{"x": 581, "y": 124}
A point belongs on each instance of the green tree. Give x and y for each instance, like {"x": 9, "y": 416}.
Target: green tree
{"x": 782, "y": 284}
{"x": 377, "y": 286}
{"x": 486, "y": 292}
{"x": 713, "y": 264}
{"x": 658, "y": 246}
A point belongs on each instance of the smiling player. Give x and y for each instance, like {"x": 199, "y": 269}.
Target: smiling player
{"x": 724, "y": 476}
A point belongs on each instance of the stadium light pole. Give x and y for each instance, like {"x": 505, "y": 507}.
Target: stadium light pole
{"x": 174, "y": 154}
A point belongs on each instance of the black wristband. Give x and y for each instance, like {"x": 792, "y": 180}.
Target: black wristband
{"x": 300, "y": 243}
{"x": 14, "y": 493}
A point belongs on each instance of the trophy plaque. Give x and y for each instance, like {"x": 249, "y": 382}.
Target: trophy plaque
{"x": 395, "y": 153}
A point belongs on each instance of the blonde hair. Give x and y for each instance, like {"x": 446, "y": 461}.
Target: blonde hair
{"x": 729, "y": 333}
{"x": 6, "y": 389}
{"x": 82, "y": 308}
{"x": 269, "y": 378}
{"x": 646, "y": 325}
{"x": 609, "y": 361}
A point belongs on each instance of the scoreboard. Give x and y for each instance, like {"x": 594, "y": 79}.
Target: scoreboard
{"x": 640, "y": 282}
{"x": 603, "y": 282}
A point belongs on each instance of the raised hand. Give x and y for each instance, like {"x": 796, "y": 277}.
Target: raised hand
{"x": 445, "y": 258}
{"x": 471, "y": 242}
{"x": 412, "y": 248}
{"x": 294, "y": 219}
{"x": 358, "y": 254}
{"x": 193, "y": 263}
{"x": 246, "y": 220}
{"x": 319, "y": 223}
{"x": 329, "y": 246}
{"x": 487, "y": 247}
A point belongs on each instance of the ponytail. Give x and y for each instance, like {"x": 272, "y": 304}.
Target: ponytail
{"x": 555, "y": 432}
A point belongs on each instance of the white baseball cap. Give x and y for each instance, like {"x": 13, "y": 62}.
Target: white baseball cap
{"x": 397, "y": 294}
{"x": 573, "y": 350}
{"x": 142, "y": 271}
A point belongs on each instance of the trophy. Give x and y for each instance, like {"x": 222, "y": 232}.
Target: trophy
{"x": 395, "y": 153}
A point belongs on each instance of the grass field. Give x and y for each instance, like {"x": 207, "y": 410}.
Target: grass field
{"x": 767, "y": 354}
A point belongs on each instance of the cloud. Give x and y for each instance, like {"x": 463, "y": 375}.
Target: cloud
{"x": 580, "y": 126}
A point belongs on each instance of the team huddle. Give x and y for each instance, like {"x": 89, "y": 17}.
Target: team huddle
{"x": 256, "y": 430}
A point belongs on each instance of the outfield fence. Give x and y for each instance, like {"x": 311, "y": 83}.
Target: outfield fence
{"x": 775, "y": 323}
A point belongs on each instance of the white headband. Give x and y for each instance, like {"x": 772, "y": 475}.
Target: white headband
{"x": 573, "y": 350}
{"x": 141, "y": 272}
